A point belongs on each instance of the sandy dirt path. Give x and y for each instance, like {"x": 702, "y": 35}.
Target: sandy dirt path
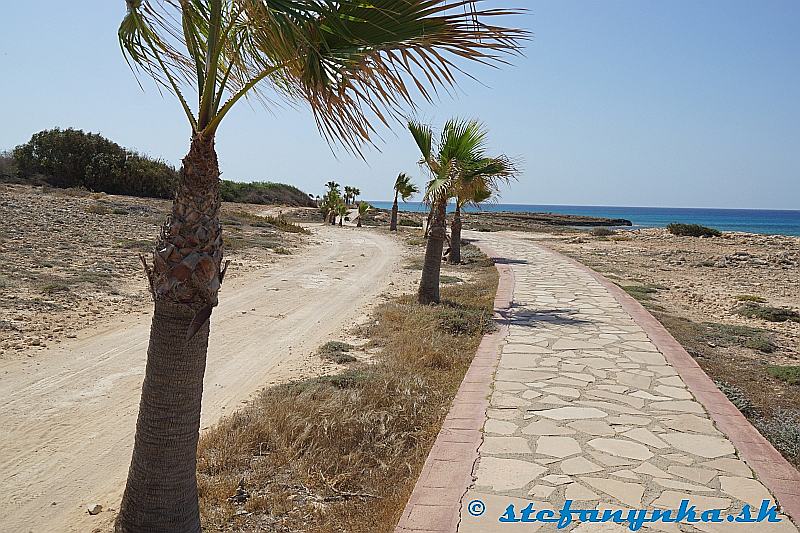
{"x": 68, "y": 421}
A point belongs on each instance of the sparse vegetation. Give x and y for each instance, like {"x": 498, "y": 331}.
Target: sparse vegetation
{"x": 410, "y": 222}
{"x": 737, "y": 397}
{"x": 692, "y": 230}
{"x": 771, "y": 314}
{"x": 750, "y": 298}
{"x": 783, "y": 430}
{"x": 344, "y": 451}
{"x": 448, "y": 280}
{"x": 260, "y": 192}
{"x": 735, "y": 335}
{"x": 641, "y": 292}
{"x": 338, "y": 352}
{"x": 602, "y": 232}
{"x": 789, "y": 374}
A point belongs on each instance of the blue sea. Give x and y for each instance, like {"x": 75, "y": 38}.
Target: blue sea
{"x": 766, "y": 221}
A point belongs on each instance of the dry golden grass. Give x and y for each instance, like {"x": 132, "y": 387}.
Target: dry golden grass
{"x": 342, "y": 453}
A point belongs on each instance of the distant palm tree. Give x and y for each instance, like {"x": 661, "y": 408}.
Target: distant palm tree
{"x": 476, "y": 184}
{"x": 356, "y": 194}
{"x": 459, "y": 153}
{"x": 363, "y": 209}
{"x": 405, "y": 189}
{"x": 353, "y": 63}
{"x": 348, "y": 194}
{"x": 342, "y": 210}
{"x": 332, "y": 187}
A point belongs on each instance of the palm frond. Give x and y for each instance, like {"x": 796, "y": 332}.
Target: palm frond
{"x": 355, "y": 63}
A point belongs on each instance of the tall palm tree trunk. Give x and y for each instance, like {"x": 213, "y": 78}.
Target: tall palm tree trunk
{"x": 455, "y": 237}
{"x": 428, "y": 292}
{"x": 161, "y": 491}
{"x": 393, "y": 223}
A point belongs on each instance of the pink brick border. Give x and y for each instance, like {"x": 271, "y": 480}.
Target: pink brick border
{"x": 435, "y": 503}
{"x": 775, "y": 472}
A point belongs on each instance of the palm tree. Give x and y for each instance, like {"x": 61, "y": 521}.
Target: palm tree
{"x": 478, "y": 183}
{"x": 459, "y": 153}
{"x": 405, "y": 189}
{"x": 348, "y": 194}
{"x": 352, "y": 62}
{"x": 356, "y": 194}
{"x": 363, "y": 209}
{"x": 341, "y": 210}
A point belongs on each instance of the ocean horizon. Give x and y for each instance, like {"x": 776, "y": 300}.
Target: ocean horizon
{"x": 763, "y": 221}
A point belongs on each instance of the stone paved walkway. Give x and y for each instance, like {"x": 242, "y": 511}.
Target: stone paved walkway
{"x": 585, "y": 407}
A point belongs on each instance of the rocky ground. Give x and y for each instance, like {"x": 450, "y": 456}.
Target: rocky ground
{"x": 69, "y": 259}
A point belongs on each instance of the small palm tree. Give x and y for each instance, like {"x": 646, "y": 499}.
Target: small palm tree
{"x": 342, "y": 210}
{"x": 348, "y": 194}
{"x": 477, "y": 183}
{"x": 356, "y": 194}
{"x": 363, "y": 209}
{"x": 352, "y": 62}
{"x": 405, "y": 189}
{"x": 459, "y": 152}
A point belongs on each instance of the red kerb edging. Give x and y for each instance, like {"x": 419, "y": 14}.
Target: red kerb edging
{"x": 775, "y": 472}
{"x": 435, "y": 503}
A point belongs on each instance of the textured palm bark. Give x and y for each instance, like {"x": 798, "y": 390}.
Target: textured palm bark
{"x": 393, "y": 223}
{"x": 455, "y": 237}
{"x": 428, "y": 292}
{"x": 430, "y": 219}
{"x": 161, "y": 491}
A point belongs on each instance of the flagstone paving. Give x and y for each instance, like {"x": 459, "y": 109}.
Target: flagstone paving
{"x": 585, "y": 407}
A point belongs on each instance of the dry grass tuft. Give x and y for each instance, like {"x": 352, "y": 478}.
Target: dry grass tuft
{"x": 342, "y": 453}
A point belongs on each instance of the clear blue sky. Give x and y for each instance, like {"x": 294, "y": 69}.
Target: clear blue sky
{"x": 680, "y": 103}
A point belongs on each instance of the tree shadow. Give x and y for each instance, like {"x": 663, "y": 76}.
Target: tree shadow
{"x": 518, "y": 315}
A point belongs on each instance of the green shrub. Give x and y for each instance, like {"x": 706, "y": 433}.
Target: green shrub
{"x": 337, "y": 352}
{"x": 640, "y": 292}
{"x": 602, "y": 232}
{"x": 692, "y": 230}
{"x": 264, "y": 193}
{"x": 8, "y": 168}
{"x": 789, "y": 374}
{"x": 764, "y": 312}
{"x": 751, "y": 298}
{"x": 73, "y": 158}
{"x": 409, "y": 222}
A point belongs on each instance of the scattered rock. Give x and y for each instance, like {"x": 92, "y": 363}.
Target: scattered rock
{"x": 94, "y": 509}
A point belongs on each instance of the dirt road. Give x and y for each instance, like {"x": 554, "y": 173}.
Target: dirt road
{"x": 67, "y": 419}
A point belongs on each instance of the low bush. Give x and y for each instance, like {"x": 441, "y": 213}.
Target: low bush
{"x": 602, "y": 232}
{"x": 337, "y": 352}
{"x": 783, "y": 431}
{"x": 692, "y": 230}
{"x": 73, "y": 158}
{"x": 409, "y": 222}
{"x": 750, "y": 298}
{"x": 765, "y": 312}
{"x": 737, "y": 397}
{"x": 789, "y": 374}
{"x": 259, "y": 192}
{"x": 727, "y": 335}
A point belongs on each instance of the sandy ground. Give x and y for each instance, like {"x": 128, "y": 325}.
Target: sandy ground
{"x": 68, "y": 421}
